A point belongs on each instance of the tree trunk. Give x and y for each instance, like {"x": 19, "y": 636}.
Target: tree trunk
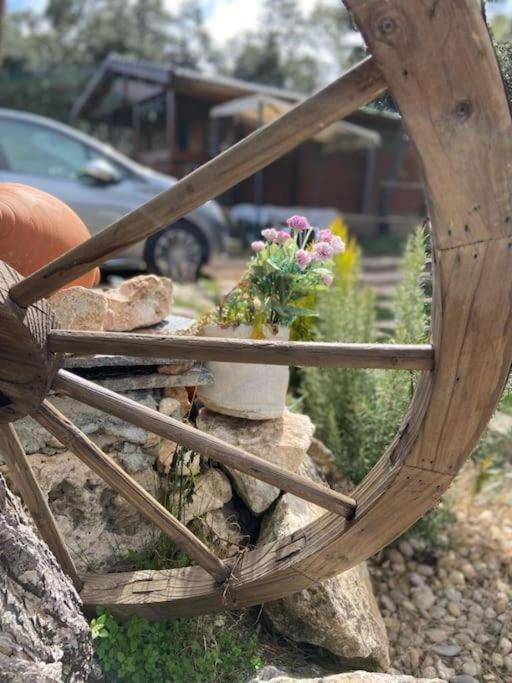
{"x": 44, "y": 637}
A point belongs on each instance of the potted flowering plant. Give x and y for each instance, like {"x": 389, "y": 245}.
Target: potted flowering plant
{"x": 287, "y": 267}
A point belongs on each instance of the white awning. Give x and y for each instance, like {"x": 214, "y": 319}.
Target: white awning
{"x": 258, "y": 110}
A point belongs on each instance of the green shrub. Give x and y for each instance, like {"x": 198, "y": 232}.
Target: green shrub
{"x": 198, "y": 650}
{"x": 357, "y": 412}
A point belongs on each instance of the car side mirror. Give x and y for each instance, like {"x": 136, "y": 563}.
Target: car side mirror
{"x": 100, "y": 171}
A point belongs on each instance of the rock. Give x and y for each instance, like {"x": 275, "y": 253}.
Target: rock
{"x": 166, "y": 448}
{"x": 188, "y": 464}
{"x": 142, "y": 301}
{"x": 177, "y": 368}
{"x": 139, "y": 302}
{"x": 181, "y": 395}
{"x": 166, "y": 451}
{"x": 170, "y": 406}
{"x": 471, "y": 668}
{"x": 95, "y": 521}
{"x": 339, "y": 614}
{"x": 211, "y": 491}
{"x": 463, "y": 678}
{"x": 78, "y": 308}
{"x": 505, "y": 646}
{"x": 447, "y": 650}
{"x": 105, "y": 430}
{"x": 44, "y": 637}
{"x": 270, "y": 673}
{"x": 322, "y": 456}
{"x": 387, "y": 603}
{"x": 423, "y": 597}
{"x": 436, "y": 635}
{"x": 283, "y": 441}
{"x": 222, "y": 531}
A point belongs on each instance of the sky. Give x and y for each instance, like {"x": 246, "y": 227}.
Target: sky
{"x": 225, "y": 19}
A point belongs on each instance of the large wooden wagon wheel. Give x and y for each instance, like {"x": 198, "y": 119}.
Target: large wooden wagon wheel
{"x": 437, "y": 59}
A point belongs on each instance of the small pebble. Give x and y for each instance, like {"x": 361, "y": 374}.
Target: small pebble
{"x": 471, "y": 668}
{"x": 505, "y": 646}
{"x": 406, "y": 548}
{"x": 423, "y": 597}
{"x": 387, "y": 603}
{"x": 435, "y": 635}
{"x": 454, "y": 609}
{"x": 447, "y": 650}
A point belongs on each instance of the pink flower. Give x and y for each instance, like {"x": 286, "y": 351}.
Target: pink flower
{"x": 302, "y": 258}
{"x": 299, "y": 223}
{"x": 325, "y": 235}
{"x": 337, "y": 244}
{"x": 282, "y": 236}
{"x": 269, "y": 234}
{"x": 322, "y": 251}
{"x": 258, "y": 246}
{"x": 327, "y": 280}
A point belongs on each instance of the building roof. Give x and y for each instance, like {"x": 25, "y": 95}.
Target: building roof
{"x": 213, "y": 86}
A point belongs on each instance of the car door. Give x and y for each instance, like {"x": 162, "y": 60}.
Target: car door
{"x": 41, "y": 156}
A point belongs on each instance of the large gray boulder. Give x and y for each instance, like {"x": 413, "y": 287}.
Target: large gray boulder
{"x": 339, "y": 614}
{"x": 283, "y": 441}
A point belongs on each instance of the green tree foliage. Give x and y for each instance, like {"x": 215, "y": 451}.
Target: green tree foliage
{"x": 48, "y": 59}
{"x": 293, "y": 49}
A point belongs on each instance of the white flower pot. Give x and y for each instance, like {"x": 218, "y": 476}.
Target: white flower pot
{"x": 253, "y": 391}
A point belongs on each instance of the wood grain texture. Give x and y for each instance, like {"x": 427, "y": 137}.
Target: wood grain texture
{"x": 19, "y": 467}
{"x": 455, "y": 118}
{"x": 26, "y": 366}
{"x": 439, "y": 62}
{"x": 114, "y": 475}
{"x": 354, "y": 89}
{"x": 319, "y": 354}
{"x": 124, "y": 408}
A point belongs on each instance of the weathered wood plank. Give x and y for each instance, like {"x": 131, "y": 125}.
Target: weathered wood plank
{"x": 126, "y": 409}
{"x": 26, "y": 366}
{"x": 71, "y": 437}
{"x": 35, "y": 500}
{"x": 355, "y": 88}
{"x": 319, "y": 354}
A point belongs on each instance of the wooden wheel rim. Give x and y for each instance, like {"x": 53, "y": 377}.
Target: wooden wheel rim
{"x": 462, "y": 128}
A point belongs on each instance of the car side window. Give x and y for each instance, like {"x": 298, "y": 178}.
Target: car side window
{"x": 30, "y": 148}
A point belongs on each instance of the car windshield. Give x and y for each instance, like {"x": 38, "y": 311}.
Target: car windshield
{"x": 28, "y": 147}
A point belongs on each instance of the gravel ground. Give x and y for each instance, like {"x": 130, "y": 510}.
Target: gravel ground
{"x": 448, "y": 605}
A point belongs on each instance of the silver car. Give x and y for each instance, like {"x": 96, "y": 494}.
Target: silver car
{"x": 101, "y": 185}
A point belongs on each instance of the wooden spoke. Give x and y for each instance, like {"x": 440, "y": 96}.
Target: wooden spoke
{"x": 126, "y": 409}
{"x": 71, "y": 437}
{"x": 386, "y": 356}
{"x": 35, "y": 500}
{"x": 355, "y": 88}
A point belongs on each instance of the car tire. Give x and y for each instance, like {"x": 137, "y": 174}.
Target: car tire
{"x": 177, "y": 252}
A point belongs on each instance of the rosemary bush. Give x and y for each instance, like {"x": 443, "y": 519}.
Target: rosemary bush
{"x": 357, "y": 412}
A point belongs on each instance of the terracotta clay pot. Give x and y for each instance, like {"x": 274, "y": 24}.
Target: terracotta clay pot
{"x": 35, "y": 228}
{"x": 252, "y": 391}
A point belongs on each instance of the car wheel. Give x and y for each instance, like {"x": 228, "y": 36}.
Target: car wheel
{"x": 177, "y": 252}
